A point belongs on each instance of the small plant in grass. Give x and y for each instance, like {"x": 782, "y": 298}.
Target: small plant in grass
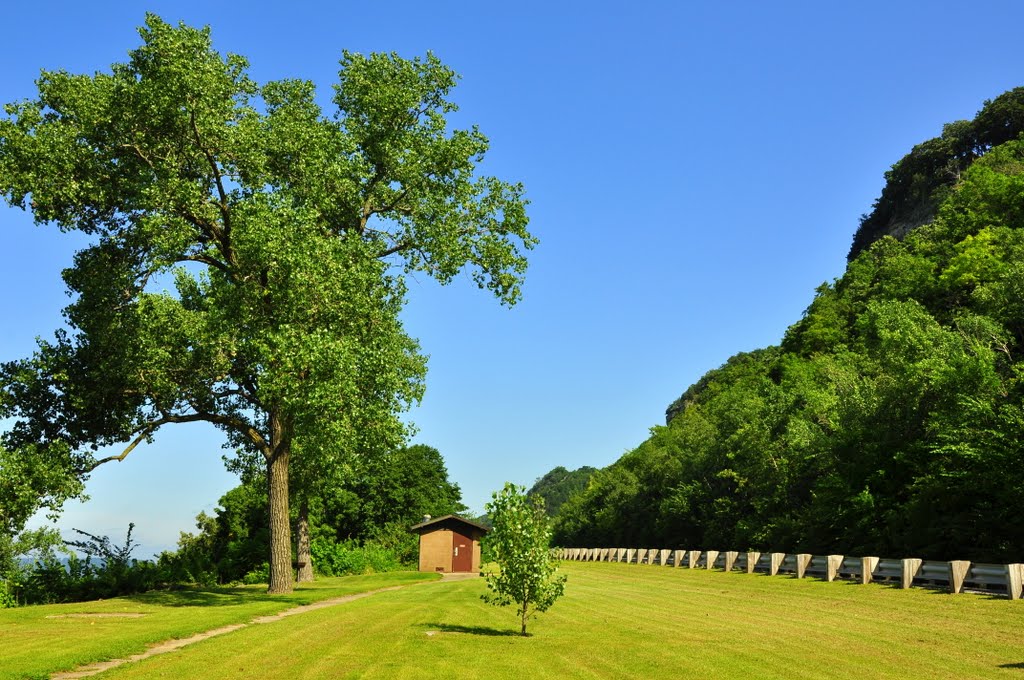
{"x": 260, "y": 574}
{"x": 520, "y": 544}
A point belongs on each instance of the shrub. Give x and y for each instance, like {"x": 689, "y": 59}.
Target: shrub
{"x": 260, "y": 574}
{"x": 51, "y": 580}
{"x": 332, "y": 558}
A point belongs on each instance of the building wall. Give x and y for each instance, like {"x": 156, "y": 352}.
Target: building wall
{"x": 476, "y": 555}
{"x": 436, "y": 551}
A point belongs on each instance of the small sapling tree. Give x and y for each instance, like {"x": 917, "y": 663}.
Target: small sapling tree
{"x": 520, "y": 543}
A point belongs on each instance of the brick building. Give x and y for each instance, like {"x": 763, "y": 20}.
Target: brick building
{"x": 449, "y": 544}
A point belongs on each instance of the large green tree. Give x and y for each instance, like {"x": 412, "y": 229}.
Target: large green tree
{"x": 285, "y": 232}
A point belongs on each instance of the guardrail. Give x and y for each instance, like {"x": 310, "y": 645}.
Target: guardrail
{"x": 956, "y": 576}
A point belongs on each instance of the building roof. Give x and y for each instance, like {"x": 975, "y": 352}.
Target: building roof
{"x": 429, "y": 524}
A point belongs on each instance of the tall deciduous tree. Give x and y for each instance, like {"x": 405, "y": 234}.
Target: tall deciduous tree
{"x": 285, "y": 232}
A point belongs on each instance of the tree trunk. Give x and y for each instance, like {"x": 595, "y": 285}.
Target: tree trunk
{"x": 280, "y": 522}
{"x": 304, "y": 556}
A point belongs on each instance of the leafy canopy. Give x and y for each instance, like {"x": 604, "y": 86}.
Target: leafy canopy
{"x": 283, "y": 233}
{"x": 888, "y": 422}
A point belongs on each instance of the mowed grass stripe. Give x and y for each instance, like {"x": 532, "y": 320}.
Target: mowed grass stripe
{"x": 781, "y": 620}
{"x": 625, "y": 621}
{"x": 33, "y": 645}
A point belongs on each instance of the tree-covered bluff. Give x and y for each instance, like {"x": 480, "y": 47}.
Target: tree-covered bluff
{"x": 918, "y": 183}
{"x": 889, "y": 421}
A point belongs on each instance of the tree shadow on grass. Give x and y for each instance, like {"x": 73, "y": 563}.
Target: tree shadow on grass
{"x": 1012, "y": 665}
{"x": 470, "y": 630}
{"x": 214, "y": 597}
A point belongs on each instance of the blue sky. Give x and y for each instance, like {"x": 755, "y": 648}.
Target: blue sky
{"x": 695, "y": 170}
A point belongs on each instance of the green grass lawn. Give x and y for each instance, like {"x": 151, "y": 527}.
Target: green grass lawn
{"x": 33, "y": 644}
{"x": 621, "y": 620}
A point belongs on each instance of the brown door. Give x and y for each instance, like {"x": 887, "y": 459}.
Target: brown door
{"x": 462, "y": 552}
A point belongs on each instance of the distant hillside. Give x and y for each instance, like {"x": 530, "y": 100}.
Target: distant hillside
{"x": 890, "y": 419}
{"x": 556, "y": 486}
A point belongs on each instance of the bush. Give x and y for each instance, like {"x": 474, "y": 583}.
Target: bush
{"x": 396, "y": 538}
{"x": 331, "y": 558}
{"x": 260, "y": 574}
{"x": 51, "y": 581}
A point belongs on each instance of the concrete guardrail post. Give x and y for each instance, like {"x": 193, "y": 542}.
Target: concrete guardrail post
{"x": 776, "y": 562}
{"x": 730, "y": 559}
{"x": 1014, "y": 578}
{"x": 957, "y": 573}
{"x": 630, "y": 552}
{"x": 664, "y": 557}
{"x": 694, "y": 558}
{"x": 910, "y": 565}
{"x": 832, "y": 564}
{"x": 677, "y": 558}
{"x": 802, "y": 560}
{"x": 710, "y": 558}
{"x": 752, "y": 558}
{"x": 867, "y": 568}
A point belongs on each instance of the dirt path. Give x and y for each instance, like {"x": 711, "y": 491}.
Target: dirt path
{"x": 173, "y": 645}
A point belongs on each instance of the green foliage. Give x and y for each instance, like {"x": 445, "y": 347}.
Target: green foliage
{"x": 919, "y": 183}
{"x": 108, "y": 570}
{"x": 520, "y": 542}
{"x": 888, "y": 422}
{"x": 15, "y": 574}
{"x": 348, "y": 558}
{"x": 260, "y": 574}
{"x": 394, "y": 538}
{"x": 369, "y": 510}
{"x": 285, "y": 232}
{"x": 556, "y": 486}
{"x": 228, "y": 545}
{"x": 32, "y": 478}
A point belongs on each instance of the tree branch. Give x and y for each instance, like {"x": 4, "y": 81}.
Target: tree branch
{"x": 146, "y": 431}
{"x": 205, "y": 259}
{"x": 240, "y": 425}
{"x": 397, "y": 248}
{"x": 225, "y": 212}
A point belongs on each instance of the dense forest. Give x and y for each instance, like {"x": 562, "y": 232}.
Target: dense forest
{"x": 557, "y": 485}
{"x": 371, "y": 509}
{"x": 889, "y": 420}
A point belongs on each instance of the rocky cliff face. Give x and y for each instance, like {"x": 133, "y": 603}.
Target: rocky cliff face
{"x": 917, "y": 183}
